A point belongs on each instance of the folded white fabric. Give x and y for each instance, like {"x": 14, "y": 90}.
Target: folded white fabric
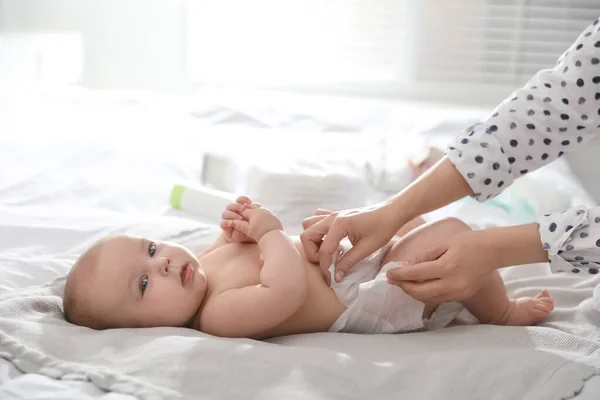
{"x": 551, "y": 361}
{"x": 296, "y": 173}
{"x": 296, "y": 192}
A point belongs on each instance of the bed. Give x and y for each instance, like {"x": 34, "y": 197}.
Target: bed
{"x": 77, "y": 164}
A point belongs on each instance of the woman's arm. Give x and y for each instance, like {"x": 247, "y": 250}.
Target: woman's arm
{"x": 370, "y": 228}
{"x": 572, "y": 239}
{"x": 557, "y": 111}
{"x": 455, "y": 268}
{"x": 441, "y": 185}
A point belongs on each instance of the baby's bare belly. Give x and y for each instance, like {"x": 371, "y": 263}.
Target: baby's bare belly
{"x": 320, "y": 310}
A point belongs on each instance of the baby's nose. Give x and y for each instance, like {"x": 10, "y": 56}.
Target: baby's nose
{"x": 165, "y": 264}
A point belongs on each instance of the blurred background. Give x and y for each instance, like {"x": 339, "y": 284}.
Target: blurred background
{"x": 109, "y": 107}
{"x": 470, "y": 53}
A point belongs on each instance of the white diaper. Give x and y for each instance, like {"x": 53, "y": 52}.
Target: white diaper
{"x": 375, "y": 306}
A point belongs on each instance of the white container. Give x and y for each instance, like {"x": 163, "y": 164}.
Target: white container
{"x": 201, "y": 200}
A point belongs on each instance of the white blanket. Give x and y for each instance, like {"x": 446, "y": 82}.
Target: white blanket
{"x": 77, "y": 182}
{"x": 455, "y": 363}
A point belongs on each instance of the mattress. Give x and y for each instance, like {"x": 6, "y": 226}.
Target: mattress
{"x": 78, "y": 164}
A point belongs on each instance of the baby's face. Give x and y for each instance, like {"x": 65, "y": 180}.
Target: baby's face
{"x": 146, "y": 283}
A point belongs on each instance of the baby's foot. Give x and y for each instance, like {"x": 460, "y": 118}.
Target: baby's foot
{"x": 526, "y": 311}
{"x": 420, "y": 168}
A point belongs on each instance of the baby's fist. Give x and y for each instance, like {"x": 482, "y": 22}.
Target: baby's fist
{"x": 257, "y": 222}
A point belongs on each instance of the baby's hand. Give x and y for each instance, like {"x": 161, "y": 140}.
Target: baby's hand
{"x": 256, "y": 221}
{"x": 232, "y": 212}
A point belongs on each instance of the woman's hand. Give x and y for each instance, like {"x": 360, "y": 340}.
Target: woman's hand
{"x": 453, "y": 270}
{"x": 456, "y": 268}
{"x": 368, "y": 229}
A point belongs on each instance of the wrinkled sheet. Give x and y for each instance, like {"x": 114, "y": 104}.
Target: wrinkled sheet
{"x": 77, "y": 165}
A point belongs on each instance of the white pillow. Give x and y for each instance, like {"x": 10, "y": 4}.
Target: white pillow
{"x": 294, "y": 192}
{"x": 293, "y": 172}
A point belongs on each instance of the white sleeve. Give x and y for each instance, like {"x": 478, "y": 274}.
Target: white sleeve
{"x": 572, "y": 239}
{"x": 557, "y": 111}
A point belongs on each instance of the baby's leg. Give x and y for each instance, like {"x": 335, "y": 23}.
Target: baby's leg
{"x": 422, "y": 237}
{"x": 411, "y": 225}
{"x": 490, "y": 305}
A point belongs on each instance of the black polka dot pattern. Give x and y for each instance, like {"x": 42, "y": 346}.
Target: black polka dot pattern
{"x": 572, "y": 240}
{"x": 556, "y": 113}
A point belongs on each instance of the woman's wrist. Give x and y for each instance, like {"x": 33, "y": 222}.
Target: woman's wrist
{"x": 515, "y": 245}
{"x": 438, "y": 187}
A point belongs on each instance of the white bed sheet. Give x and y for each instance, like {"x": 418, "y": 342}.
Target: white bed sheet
{"x": 77, "y": 165}
{"x": 69, "y": 175}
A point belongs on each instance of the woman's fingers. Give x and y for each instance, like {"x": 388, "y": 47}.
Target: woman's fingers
{"x": 424, "y": 267}
{"x": 359, "y": 251}
{"x": 336, "y": 232}
{"x": 433, "y": 292}
{"x": 319, "y": 215}
{"x": 312, "y": 237}
{"x": 310, "y": 221}
{"x": 417, "y": 272}
{"x": 322, "y": 211}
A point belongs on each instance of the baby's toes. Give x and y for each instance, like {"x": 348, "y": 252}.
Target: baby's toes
{"x": 547, "y": 300}
{"x": 539, "y": 314}
{"x": 544, "y": 294}
{"x": 545, "y": 305}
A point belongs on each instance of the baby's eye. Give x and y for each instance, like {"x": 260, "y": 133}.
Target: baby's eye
{"x": 144, "y": 284}
{"x": 152, "y": 249}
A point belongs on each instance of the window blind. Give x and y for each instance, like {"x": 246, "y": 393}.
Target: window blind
{"x": 497, "y": 41}
{"x": 391, "y": 46}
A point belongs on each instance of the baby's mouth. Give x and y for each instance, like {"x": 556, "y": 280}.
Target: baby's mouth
{"x": 183, "y": 273}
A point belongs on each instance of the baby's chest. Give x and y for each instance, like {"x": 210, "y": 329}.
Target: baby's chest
{"x": 241, "y": 268}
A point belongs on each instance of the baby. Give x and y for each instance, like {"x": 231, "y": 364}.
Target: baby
{"x": 255, "y": 281}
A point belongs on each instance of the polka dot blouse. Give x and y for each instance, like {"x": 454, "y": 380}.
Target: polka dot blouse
{"x": 557, "y": 111}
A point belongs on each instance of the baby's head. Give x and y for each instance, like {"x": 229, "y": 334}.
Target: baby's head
{"x": 127, "y": 282}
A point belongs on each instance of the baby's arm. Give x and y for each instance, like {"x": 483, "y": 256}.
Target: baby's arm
{"x": 228, "y": 234}
{"x": 251, "y": 310}
{"x": 491, "y": 304}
